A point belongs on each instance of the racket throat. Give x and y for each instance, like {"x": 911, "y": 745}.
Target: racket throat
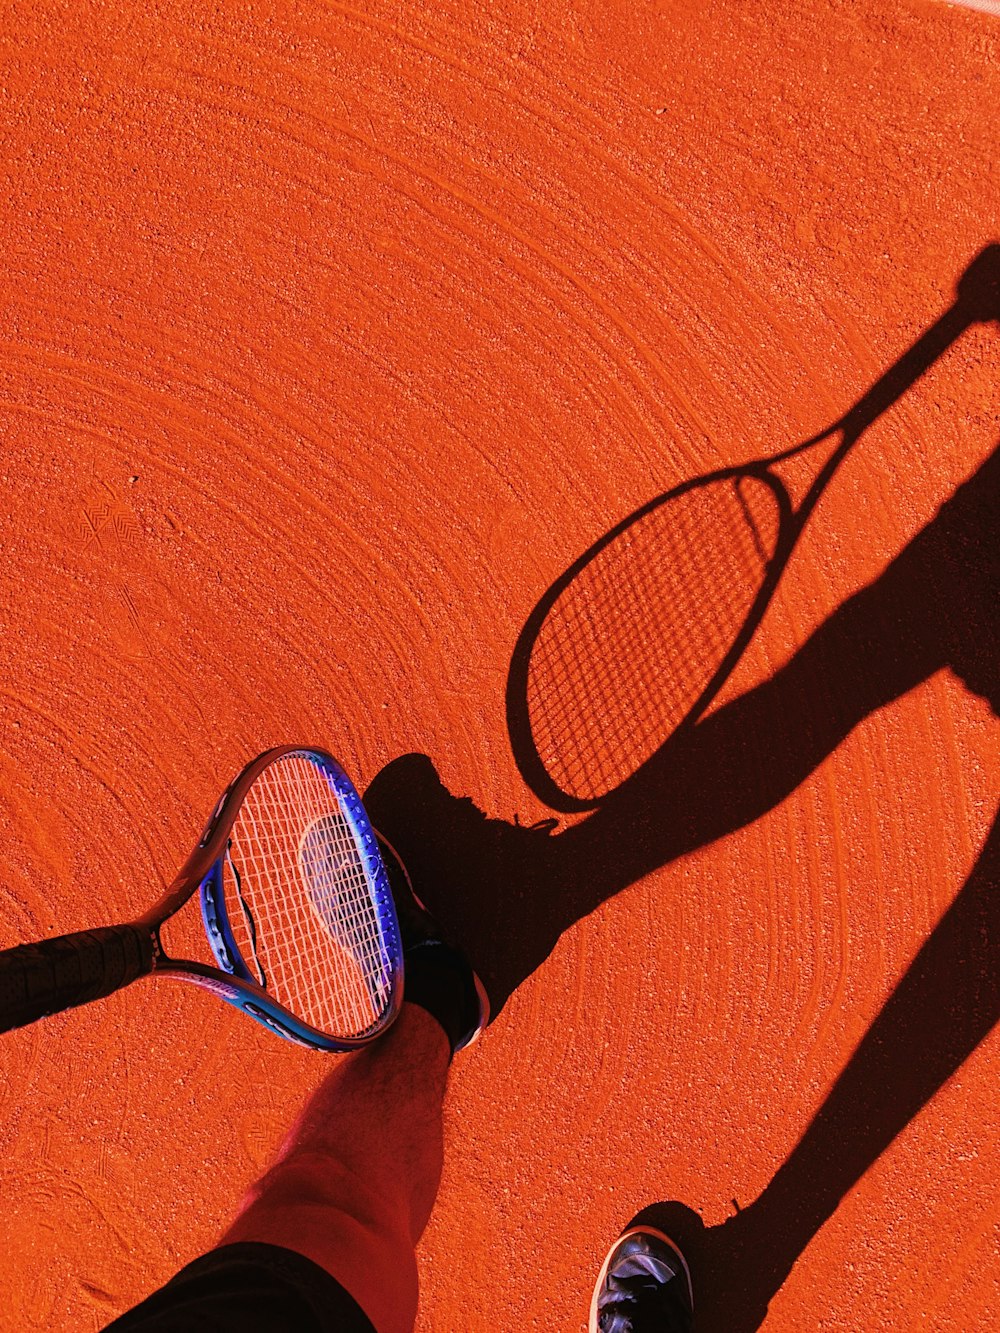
{"x": 804, "y": 474}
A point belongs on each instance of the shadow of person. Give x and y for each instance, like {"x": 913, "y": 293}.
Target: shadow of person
{"x": 507, "y": 892}
{"x": 946, "y": 1003}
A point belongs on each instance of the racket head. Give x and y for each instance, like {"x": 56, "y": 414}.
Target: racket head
{"x": 296, "y": 904}
{"x": 633, "y": 640}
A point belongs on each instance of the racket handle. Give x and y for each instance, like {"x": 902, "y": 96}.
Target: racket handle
{"x": 45, "y": 978}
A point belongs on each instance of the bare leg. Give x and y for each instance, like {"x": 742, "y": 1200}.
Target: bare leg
{"x": 356, "y": 1179}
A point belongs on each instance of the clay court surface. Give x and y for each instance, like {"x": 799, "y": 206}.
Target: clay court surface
{"x": 331, "y": 335}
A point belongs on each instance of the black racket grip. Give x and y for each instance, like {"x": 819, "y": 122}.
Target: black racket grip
{"x": 44, "y": 978}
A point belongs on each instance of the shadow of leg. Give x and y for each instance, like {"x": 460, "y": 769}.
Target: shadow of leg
{"x": 945, "y": 1005}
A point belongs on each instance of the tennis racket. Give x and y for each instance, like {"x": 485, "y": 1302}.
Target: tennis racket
{"x": 636, "y": 638}
{"x": 295, "y": 902}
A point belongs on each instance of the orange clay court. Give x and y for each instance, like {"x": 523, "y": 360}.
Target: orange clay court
{"x": 332, "y": 335}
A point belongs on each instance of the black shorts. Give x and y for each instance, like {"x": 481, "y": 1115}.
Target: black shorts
{"x": 248, "y": 1288}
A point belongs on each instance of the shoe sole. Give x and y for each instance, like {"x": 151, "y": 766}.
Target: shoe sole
{"x": 633, "y": 1231}
{"x": 484, "y": 1000}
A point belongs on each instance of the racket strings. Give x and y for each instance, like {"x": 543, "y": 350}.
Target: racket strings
{"x": 300, "y": 903}
{"x": 631, "y": 644}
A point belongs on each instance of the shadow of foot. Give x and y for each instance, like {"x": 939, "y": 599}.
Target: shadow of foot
{"x": 494, "y": 887}
{"x": 733, "y": 1275}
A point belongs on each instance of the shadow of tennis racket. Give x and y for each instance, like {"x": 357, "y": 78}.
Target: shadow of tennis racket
{"x": 636, "y": 638}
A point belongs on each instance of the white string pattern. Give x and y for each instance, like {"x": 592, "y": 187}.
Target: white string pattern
{"x": 300, "y": 904}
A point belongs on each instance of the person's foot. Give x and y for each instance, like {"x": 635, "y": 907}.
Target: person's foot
{"x": 643, "y": 1287}
{"x": 436, "y": 975}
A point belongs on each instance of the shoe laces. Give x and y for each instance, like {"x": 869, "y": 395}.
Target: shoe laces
{"x": 640, "y": 1303}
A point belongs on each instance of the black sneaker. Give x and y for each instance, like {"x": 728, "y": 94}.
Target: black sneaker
{"x": 643, "y": 1287}
{"x": 428, "y": 956}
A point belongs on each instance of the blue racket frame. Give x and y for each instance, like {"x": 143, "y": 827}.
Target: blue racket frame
{"x": 238, "y": 986}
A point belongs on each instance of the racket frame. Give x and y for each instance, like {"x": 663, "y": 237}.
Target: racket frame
{"x": 233, "y": 980}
